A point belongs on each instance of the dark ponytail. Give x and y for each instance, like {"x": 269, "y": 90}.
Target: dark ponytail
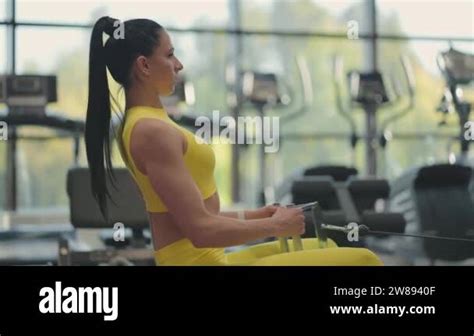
{"x": 118, "y": 55}
{"x": 98, "y": 117}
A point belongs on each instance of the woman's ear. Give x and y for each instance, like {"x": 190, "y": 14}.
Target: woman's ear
{"x": 142, "y": 65}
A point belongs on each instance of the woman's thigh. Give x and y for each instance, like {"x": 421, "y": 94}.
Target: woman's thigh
{"x": 338, "y": 256}
{"x": 270, "y": 254}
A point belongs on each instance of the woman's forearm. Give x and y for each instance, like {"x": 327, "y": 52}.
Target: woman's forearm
{"x": 247, "y": 214}
{"x": 230, "y": 214}
{"x": 222, "y": 231}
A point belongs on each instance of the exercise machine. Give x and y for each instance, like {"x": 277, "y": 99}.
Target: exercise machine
{"x": 355, "y": 200}
{"x": 125, "y": 238}
{"x": 26, "y": 98}
{"x": 264, "y": 92}
{"x": 436, "y": 199}
{"x": 369, "y": 91}
{"x": 457, "y": 69}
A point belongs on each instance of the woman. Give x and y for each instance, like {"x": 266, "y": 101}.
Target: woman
{"x": 173, "y": 171}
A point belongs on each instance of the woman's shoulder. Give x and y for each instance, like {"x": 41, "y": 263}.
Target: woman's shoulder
{"x": 146, "y": 120}
{"x": 148, "y": 129}
{"x": 152, "y": 130}
{"x": 137, "y": 113}
{"x": 155, "y": 136}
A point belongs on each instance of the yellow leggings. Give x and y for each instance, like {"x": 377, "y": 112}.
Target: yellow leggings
{"x": 269, "y": 254}
{"x": 183, "y": 252}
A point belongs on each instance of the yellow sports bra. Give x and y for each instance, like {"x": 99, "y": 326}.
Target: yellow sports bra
{"x": 199, "y": 158}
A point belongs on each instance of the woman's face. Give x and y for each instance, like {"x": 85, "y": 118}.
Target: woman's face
{"x": 162, "y": 67}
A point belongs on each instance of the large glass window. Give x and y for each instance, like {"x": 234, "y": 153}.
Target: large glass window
{"x": 41, "y": 171}
{"x": 3, "y": 57}
{"x": 305, "y": 15}
{"x": 419, "y": 137}
{"x": 64, "y": 52}
{"x": 204, "y": 58}
{"x": 3, "y": 51}
{"x": 180, "y": 13}
{"x": 426, "y": 18}
{"x": 320, "y": 135}
{"x": 42, "y": 165}
{"x": 3, "y": 9}
{"x": 3, "y": 67}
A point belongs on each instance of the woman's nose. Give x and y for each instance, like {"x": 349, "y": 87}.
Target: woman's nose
{"x": 179, "y": 66}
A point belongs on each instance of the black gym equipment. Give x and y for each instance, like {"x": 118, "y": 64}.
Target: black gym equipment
{"x": 130, "y": 246}
{"x": 436, "y": 199}
{"x": 264, "y": 92}
{"x": 372, "y": 92}
{"x": 385, "y": 135}
{"x": 315, "y": 219}
{"x": 458, "y": 70}
{"x": 369, "y": 91}
{"x": 354, "y": 200}
{"x": 26, "y": 97}
{"x": 343, "y": 197}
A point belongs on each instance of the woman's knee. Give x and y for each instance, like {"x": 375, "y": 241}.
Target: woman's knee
{"x": 367, "y": 257}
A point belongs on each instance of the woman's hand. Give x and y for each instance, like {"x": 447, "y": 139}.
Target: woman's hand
{"x": 289, "y": 222}
{"x": 264, "y": 212}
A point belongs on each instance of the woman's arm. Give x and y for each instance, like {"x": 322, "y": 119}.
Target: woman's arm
{"x": 259, "y": 213}
{"x": 263, "y": 212}
{"x": 157, "y": 149}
